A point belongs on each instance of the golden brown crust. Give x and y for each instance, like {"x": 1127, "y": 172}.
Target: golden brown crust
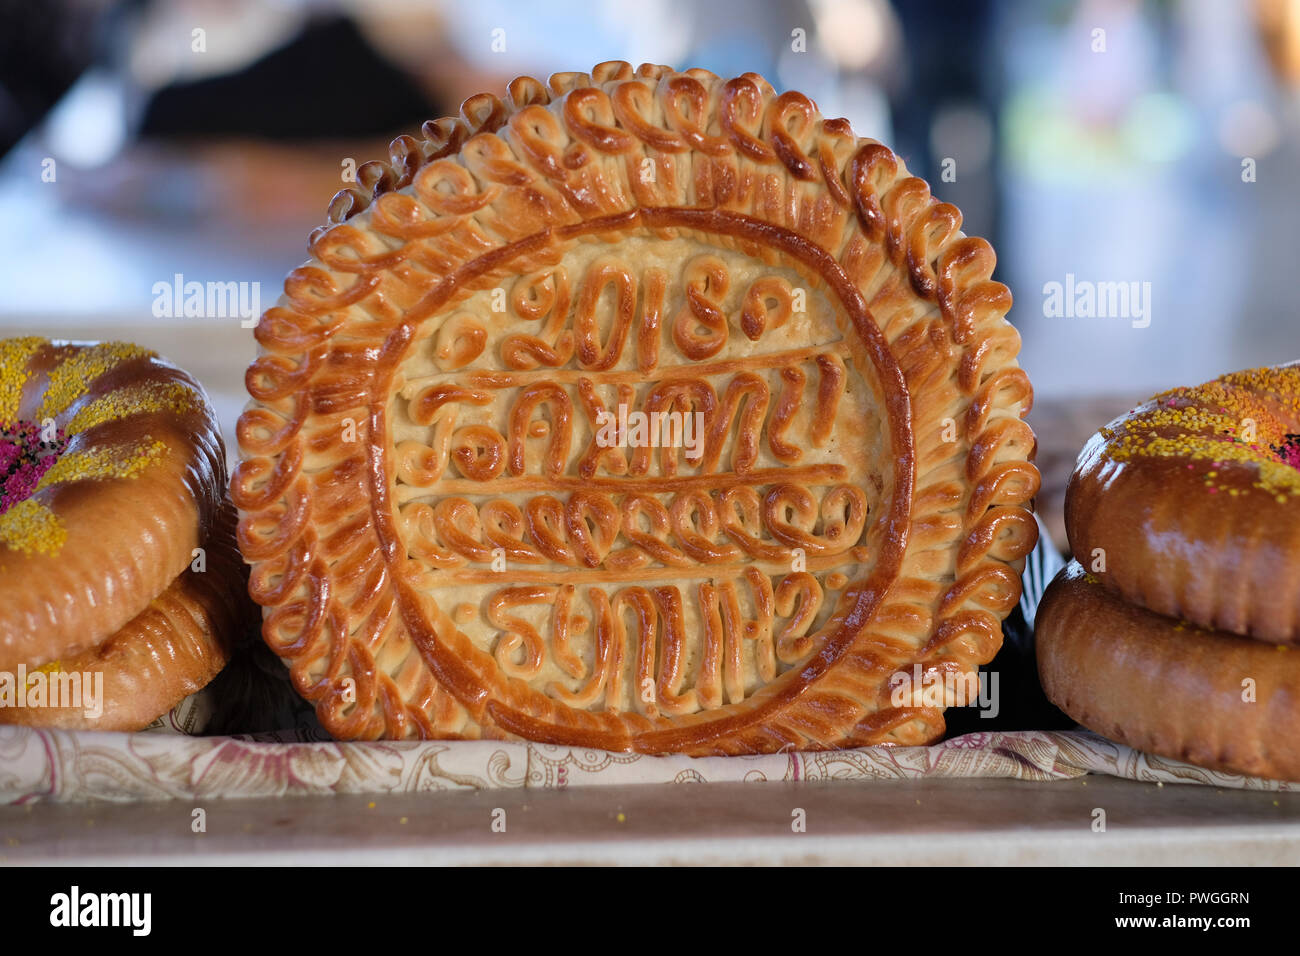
{"x": 1189, "y": 506}
{"x": 134, "y": 492}
{"x": 360, "y": 584}
{"x": 168, "y": 651}
{"x": 1163, "y": 686}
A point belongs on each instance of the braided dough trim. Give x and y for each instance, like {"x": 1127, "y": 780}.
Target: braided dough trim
{"x": 514, "y": 175}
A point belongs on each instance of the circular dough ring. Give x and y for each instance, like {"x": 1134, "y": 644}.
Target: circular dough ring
{"x": 171, "y": 649}
{"x": 1163, "y": 686}
{"x": 510, "y": 179}
{"x": 96, "y": 543}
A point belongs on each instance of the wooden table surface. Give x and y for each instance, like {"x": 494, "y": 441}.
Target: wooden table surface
{"x": 964, "y": 822}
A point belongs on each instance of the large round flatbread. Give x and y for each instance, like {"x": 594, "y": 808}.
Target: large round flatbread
{"x": 459, "y": 529}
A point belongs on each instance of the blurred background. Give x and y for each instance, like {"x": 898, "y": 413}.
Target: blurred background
{"x": 1145, "y": 147}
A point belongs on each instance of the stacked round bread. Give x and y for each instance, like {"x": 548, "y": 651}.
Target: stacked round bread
{"x": 121, "y": 588}
{"x": 1174, "y": 629}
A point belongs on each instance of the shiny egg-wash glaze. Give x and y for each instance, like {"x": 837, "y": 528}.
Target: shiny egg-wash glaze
{"x": 1165, "y": 686}
{"x": 1193, "y": 498}
{"x": 95, "y": 563}
{"x": 551, "y": 176}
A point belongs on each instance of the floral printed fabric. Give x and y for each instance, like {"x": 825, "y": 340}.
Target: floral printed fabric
{"x": 79, "y": 766}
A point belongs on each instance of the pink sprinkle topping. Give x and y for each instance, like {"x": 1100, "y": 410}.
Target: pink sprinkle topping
{"x": 1290, "y": 454}
{"x": 26, "y": 454}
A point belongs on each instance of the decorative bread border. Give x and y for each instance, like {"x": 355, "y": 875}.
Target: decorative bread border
{"x": 564, "y": 158}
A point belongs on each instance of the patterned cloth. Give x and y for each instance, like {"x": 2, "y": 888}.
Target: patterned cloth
{"x": 70, "y": 766}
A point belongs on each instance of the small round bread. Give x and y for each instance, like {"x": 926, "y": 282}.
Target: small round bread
{"x": 1190, "y": 504}
{"x": 116, "y": 518}
{"x": 171, "y": 649}
{"x": 1166, "y": 687}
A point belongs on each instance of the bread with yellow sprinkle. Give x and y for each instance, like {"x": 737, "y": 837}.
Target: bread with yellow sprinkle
{"x": 112, "y": 481}
{"x": 1171, "y": 629}
{"x": 1190, "y": 504}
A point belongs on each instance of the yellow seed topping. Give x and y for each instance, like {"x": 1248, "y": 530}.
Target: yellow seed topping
{"x": 1278, "y": 383}
{"x": 1233, "y": 420}
{"x": 101, "y": 463}
{"x": 70, "y": 378}
{"x": 14, "y": 356}
{"x": 135, "y": 400}
{"x": 29, "y": 527}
